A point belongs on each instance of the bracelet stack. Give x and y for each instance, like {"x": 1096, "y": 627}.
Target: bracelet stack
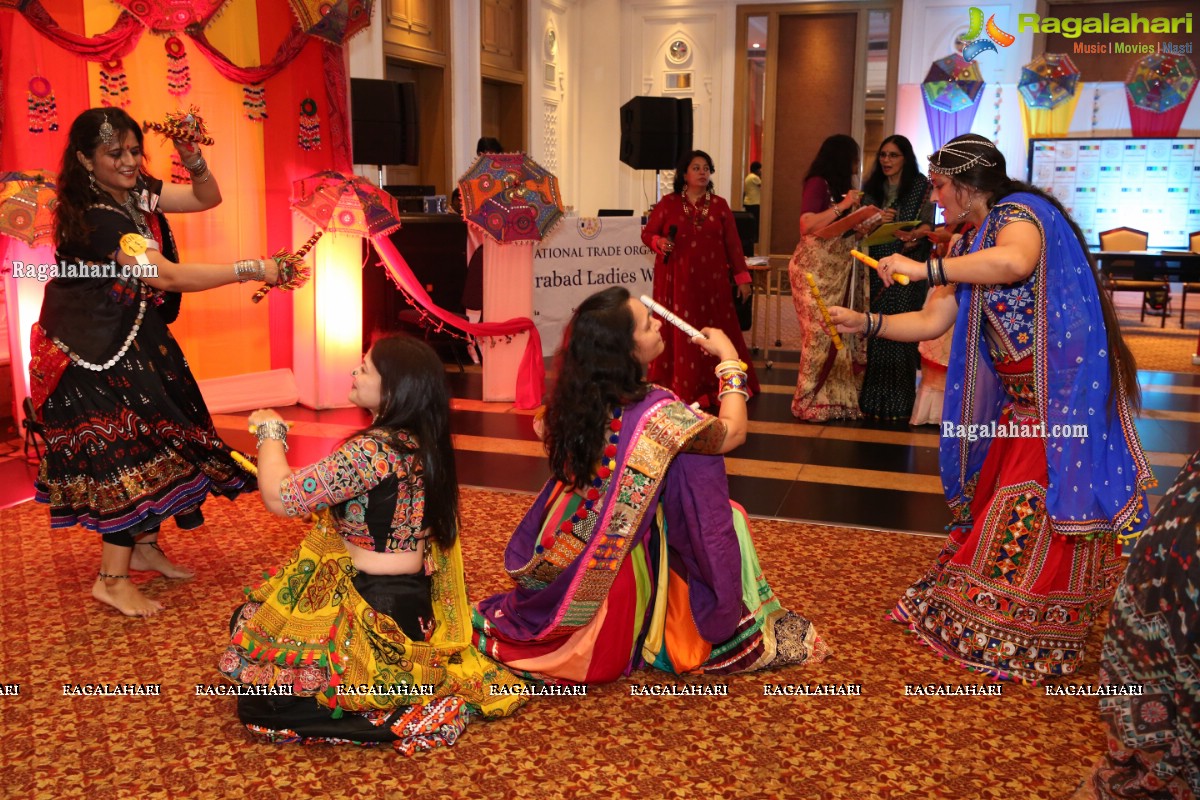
{"x": 197, "y": 168}
{"x": 874, "y": 325}
{"x": 272, "y": 429}
{"x": 936, "y": 272}
{"x": 731, "y": 379}
{"x": 250, "y": 269}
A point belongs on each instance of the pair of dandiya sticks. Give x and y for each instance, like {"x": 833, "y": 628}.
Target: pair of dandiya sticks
{"x": 816, "y": 293}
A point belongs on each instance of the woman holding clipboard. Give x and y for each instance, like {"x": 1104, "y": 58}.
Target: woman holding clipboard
{"x": 831, "y": 371}
{"x": 898, "y": 187}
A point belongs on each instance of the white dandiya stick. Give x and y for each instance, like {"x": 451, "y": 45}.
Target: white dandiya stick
{"x": 671, "y": 317}
{"x": 816, "y": 293}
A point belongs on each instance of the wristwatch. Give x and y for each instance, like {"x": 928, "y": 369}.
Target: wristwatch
{"x": 134, "y": 245}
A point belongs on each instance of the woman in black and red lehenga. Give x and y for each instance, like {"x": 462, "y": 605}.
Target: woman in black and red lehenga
{"x": 130, "y": 441}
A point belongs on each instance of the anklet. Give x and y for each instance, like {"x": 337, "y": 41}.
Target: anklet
{"x": 106, "y": 575}
{"x": 153, "y": 544}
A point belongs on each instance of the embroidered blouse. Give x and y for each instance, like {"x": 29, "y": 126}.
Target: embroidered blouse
{"x": 380, "y": 489}
{"x": 1010, "y": 307}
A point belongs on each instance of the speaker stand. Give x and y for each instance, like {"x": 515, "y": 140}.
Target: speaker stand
{"x": 657, "y": 187}
{"x": 380, "y": 166}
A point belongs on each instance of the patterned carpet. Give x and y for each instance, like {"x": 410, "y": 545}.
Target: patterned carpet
{"x": 881, "y": 744}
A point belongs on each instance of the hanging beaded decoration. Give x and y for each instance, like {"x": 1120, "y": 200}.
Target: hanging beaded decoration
{"x": 179, "y": 77}
{"x": 310, "y": 125}
{"x": 996, "y": 120}
{"x": 179, "y": 173}
{"x": 254, "y": 100}
{"x": 43, "y": 110}
{"x": 580, "y": 521}
{"x": 114, "y": 86}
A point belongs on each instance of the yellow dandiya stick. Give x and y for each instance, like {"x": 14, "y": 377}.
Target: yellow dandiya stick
{"x": 816, "y": 293}
{"x": 873, "y": 264}
{"x": 243, "y": 462}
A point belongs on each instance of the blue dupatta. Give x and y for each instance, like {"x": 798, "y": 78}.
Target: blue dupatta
{"x": 1096, "y": 484}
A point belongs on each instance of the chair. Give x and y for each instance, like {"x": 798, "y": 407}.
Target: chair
{"x": 1191, "y": 281}
{"x": 1125, "y": 276}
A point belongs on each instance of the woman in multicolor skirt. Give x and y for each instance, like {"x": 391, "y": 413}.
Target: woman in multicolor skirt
{"x": 633, "y": 555}
{"x": 1153, "y": 648}
{"x": 129, "y": 439}
{"x": 367, "y": 626}
{"x": 1040, "y": 460}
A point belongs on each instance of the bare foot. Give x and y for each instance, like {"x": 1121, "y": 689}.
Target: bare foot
{"x": 148, "y": 558}
{"x": 121, "y": 594}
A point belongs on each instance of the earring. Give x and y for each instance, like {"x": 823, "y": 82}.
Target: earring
{"x": 92, "y": 180}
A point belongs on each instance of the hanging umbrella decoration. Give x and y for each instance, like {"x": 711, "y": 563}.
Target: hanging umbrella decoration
{"x": 335, "y": 21}
{"x": 340, "y": 204}
{"x": 1158, "y": 91}
{"x": 511, "y": 198}
{"x": 1050, "y": 87}
{"x": 951, "y": 92}
{"x": 27, "y": 201}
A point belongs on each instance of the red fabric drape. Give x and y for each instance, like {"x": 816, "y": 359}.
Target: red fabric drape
{"x": 531, "y": 376}
{"x": 118, "y": 42}
{"x": 1151, "y": 124}
{"x": 288, "y": 50}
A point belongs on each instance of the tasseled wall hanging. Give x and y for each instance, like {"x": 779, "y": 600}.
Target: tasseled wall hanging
{"x": 43, "y": 110}
{"x": 114, "y": 86}
{"x": 179, "y": 78}
{"x": 310, "y": 125}
{"x": 254, "y": 100}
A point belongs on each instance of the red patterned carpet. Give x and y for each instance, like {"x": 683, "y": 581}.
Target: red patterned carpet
{"x": 881, "y": 744}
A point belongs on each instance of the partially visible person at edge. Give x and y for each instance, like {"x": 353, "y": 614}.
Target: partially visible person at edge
{"x": 935, "y": 353}
{"x": 829, "y": 378}
{"x": 633, "y": 554}
{"x": 896, "y": 186}
{"x": 129, "y": 439}
{"x": 1037, "y": 515}
{"x": 1153, "y": 648}
{"x": 695, "y": 237}
{"x": 752, "y": 189}
{"x": 373, "y": 600}
{"x": 472, "y": 296}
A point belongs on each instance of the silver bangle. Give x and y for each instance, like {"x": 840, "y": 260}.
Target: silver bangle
{"x": 250, "y": 269}
{"x": 272, "y": 429}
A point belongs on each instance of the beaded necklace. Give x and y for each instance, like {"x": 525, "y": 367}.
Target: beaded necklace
{"x": 695, "y": 215}
{"x": 581, "y": 520}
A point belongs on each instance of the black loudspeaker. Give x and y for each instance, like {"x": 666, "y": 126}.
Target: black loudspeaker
{"x": 384, "y": 119}
{"x": 655, "y": 132}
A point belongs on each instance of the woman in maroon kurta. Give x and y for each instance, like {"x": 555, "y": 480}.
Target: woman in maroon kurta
{"x": 698, "y": 250}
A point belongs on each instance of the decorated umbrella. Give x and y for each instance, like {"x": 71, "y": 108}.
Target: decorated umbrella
{"x": 162, "y": 16}
{"x": 333, "y": 20}
{"x": 1158, "y": 91}
{"x": 951, "y": 92}
{"x": 27, "y": 201}
{"x": 510, "y": 197}
{"x": 341, "y": 204}
{"x": 1050, "y": 88}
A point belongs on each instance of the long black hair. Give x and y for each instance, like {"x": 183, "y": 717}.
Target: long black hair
{"x": 834, "y": 163}
{"x": 875, "y": 185}
{"x": 596, "y": 372}
{"x": 413, "y": 397}
{"x": 681, "y": 168}
{"x": 75, "y": 192}
{"x": 974, "y": 161}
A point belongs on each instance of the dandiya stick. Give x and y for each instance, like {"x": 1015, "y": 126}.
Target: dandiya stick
{"x": 816, "y": 293}
{"x": 671, "y": 317}
{"x": 873, "y": 264}
{"x": 243, "y": 462}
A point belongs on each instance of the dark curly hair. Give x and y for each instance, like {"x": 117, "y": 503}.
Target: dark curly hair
{"x": 834, "y": 163}
{"x": 75, "y": 193}
{"x": 989, "y": 175}
{"x": 414, "y": 398}
{"x": 874, "y": 185}
{"x": 596, "y": 372}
